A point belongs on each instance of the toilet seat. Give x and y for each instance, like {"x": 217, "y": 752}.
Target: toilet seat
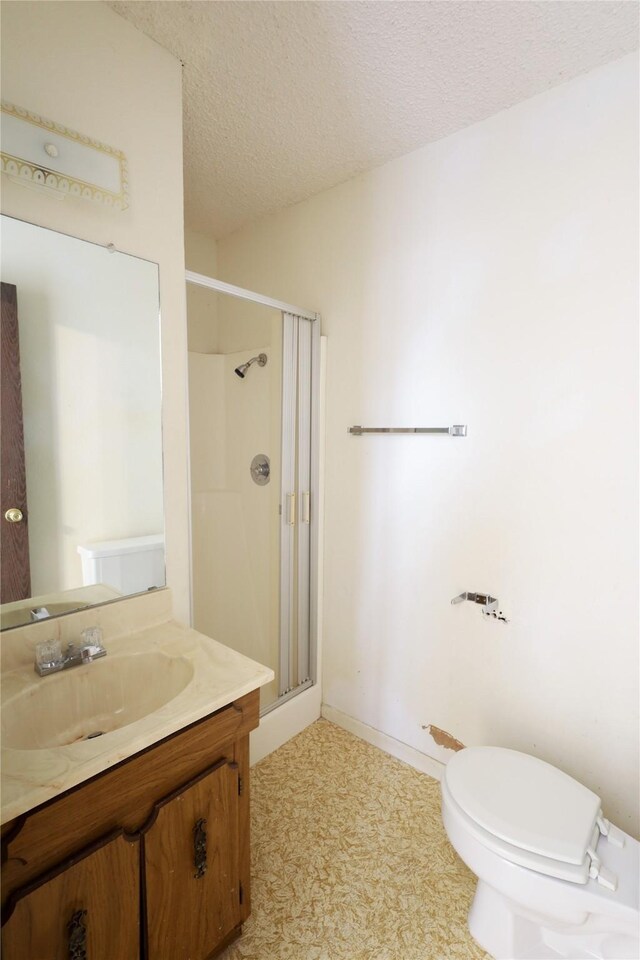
{"x": 528, "y": 812}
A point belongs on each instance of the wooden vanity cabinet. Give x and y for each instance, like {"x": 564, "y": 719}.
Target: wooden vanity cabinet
{"x": 88, "y": 907}
{"x": 192, "y": 878}
{"x": 155, "y": 850}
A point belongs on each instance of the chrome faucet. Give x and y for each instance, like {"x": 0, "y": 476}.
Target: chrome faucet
{"x": 50, "y": 657}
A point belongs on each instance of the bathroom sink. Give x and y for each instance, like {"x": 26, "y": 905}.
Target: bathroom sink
{"x": 88, "y": 701}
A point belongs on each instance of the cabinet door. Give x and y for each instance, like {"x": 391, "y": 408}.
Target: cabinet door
{"x": 191, "y": 863}
{"x": 86, "y": 909}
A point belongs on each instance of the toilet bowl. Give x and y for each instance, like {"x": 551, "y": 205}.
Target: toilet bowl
{"x": 555, "y": 879}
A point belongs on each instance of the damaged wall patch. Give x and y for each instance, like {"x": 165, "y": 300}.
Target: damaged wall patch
{"x": 442, "y": 738}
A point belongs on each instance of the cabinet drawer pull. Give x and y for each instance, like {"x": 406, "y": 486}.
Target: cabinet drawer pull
{"x": 77, "y": 930}
{"x": 200, "y": 848}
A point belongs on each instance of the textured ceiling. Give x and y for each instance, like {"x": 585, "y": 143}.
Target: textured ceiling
{"x": 285, "y": 99}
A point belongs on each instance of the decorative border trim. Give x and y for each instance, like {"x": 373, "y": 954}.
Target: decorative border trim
{"x": 25, "y": 171}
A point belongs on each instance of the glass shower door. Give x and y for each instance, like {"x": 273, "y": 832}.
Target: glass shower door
{"x": 252, "y": 468}
{"x": 297, "y": 506}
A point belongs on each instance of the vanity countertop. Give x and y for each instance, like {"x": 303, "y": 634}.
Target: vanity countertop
{"x": 218, "y": 676}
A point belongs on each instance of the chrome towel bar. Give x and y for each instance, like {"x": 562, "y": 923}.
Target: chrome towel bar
{"x": 457, "y": 430}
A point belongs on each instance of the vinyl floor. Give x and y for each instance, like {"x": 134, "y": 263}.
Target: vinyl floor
{"x": 350, "y": 860}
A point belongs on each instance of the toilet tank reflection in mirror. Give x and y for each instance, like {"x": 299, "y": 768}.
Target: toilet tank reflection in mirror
{"x": 81, "y": 356}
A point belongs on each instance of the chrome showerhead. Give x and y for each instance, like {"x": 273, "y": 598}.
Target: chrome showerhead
{"x": 240, "y": 371}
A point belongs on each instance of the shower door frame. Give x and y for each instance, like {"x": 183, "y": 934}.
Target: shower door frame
{"x": 219, "y": 286}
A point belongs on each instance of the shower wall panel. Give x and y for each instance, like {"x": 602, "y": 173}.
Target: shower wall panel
{"x": 235, "y": 538}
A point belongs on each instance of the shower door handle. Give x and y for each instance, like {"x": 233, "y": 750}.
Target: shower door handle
{"x": 305, "y": 509}
{"x": 291, "y": 509}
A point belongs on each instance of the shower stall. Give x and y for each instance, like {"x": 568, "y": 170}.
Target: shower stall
{"x": 253, "y": 409}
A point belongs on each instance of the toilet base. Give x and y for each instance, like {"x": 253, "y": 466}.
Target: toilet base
{"x": 508, "y": 932}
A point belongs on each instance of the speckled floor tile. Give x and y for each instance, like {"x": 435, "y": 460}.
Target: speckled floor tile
{"x": 350, "y": 860}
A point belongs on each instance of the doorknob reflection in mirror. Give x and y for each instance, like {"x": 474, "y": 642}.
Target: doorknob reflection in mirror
{"x": 14, "y": 515}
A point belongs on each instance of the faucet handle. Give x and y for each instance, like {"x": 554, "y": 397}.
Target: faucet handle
{"x": 91, "y": 645}
{"x": 92, "y": 637}
{"x": 48, "y": 653}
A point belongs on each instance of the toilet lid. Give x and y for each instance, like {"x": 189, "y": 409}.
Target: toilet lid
{"x": 524, "y": 801}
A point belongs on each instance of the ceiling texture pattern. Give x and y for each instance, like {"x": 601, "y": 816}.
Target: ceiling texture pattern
{"x": 285, "y": 99}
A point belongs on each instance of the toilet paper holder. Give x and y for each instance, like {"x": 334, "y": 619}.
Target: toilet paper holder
{"x": 490, "y": 605}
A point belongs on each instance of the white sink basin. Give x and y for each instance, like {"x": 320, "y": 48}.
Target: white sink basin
{"x": 94, "y": 699}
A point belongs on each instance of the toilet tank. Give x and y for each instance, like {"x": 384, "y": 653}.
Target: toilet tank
{"x": 132, "y": 565}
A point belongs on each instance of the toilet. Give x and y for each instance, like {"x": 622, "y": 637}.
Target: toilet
{"x": 555, "y": 879}
{"x": 131, "y": 565}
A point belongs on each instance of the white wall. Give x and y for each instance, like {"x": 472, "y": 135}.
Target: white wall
{"x": 488, "y": 279}
{"x": 80, "y": 64}
{"x": 202, "y": 304}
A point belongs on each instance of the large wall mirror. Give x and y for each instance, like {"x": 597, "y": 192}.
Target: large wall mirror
{"x": 82, "y": 497}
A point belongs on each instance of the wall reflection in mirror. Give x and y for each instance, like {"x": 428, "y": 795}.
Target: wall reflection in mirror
{"x": 82, "y": 498}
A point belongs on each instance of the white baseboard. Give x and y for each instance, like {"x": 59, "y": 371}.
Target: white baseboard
{"x": 402, "y": 751}
{"x": 285, "y": 722}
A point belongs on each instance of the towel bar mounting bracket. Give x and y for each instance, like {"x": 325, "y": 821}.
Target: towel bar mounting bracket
{"x": 488, "y": 603}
